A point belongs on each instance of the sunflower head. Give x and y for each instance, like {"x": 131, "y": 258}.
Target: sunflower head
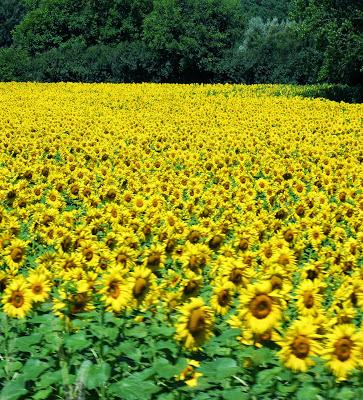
{"x": 195, "y": 324}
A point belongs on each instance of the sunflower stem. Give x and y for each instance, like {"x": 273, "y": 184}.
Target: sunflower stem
{"x": 240, "y": 380}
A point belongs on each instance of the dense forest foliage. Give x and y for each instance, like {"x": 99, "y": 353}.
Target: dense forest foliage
{"x": 244, "y": 41}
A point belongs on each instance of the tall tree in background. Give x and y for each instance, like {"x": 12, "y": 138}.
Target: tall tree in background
{"x": 265, "y": 9}
{"x": 11, "y": 13}
{"x": 337, "y": 26}
{"x": 188, "y": 37}
{"x": 51, "y": 23}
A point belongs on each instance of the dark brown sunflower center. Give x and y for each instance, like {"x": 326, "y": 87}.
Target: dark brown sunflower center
{"x": 343, "y": 348}
{"x": 223, "y": 298}
{"x": 197, "y": 321}
{"x": 78, "y": 303}
{"x": 191, "y": 287}
{"x": 268, "y": 252}
{"x": 69, "y": 265}
{"x": 243, "y": 244}
{"x": 215, "y": 242}
{"x": 153, "y": 260}
{"x": 17, "y": 254}
{"x": 66, "y": 243}
{"x": 284, "y": 260}
{"x": 289, "y": 235}
{"x": 140, "y": 287}
{"x": 193, "y": 261}
{"x": 312, "y": 274}
{"x": 114, "y": 290}
{"x": 37, "y": 288}
{"x": 300, "y": 347}
{"x": 308, "y": 299}
{"x": 261, "y": 306}
{"x": 88, "y": 254}
{"x": 17, "y": 299}
{"x": 276, "y": 282}
{"x": 236, "y": 275}
{"x": 121, "y": 259}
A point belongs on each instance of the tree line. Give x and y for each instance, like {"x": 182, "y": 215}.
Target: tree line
{"x": 239, "y": 41}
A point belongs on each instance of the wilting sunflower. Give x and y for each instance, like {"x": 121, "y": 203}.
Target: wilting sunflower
{"x": 195, "y": 324}
{"x": 17, "y": 298}
{"x": 300, "y": 343}
{"x": 73, "y": 298}
{"x": 260, "y": 307}
{"x": 189, "y": 375}
{"x": 343, "y": 349}
{"x": 250, "y": 338}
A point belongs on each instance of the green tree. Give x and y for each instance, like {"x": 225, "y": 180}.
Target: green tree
{"x": 337, "y": 26}
{"x": 265, "y": 9}
{"x": 189, "y": 37}
{"x": 11, "y": 13}
{"x": 50, "y": 23}
{"x": 271, "y": 51}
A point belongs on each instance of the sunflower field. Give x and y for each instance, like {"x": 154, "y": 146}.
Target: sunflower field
{"x": 179, "y": 242}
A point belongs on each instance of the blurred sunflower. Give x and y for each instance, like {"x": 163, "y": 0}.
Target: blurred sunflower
{"x": 223, "y": 296}
{"x": 343, "y": 350}
{"x": 299, "y": 344}
{"x": 194, "y": 326}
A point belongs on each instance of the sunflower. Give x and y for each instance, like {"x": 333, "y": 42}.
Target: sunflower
{"x": 266, "y": 252}
{"x": 235, "y": 271}
{"x": 17, "y": 298}
{"x": 299, "y": 344}
{"x": 195, "y": 324}
{"x": 278, "y": 278}
{"x": 308, "y": 298}
{"x": 189, "y": 375}
{"x": 39, "y": 286}
{"x": 260, "y": 307}
{"x": 313, "y": 270}
{"x": 195, "y": 256}
{"x": 113, "y": 291}
{"x": 88, "y": 249}
{"x": 249, "y": 338}
{"x": 316, "y": 236}
{"x": 73, "y": 298}
{"x": 154, "y": 257}
{"x": 222, "y": 297}
{"x": 343, "y": 350}
{"x": 123, "y": 257}
{"x": 15, "y": 253}
{"x": 142, "y": 286}
{"x": 191, "y": 284}
{"x": 284, "y": 257}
